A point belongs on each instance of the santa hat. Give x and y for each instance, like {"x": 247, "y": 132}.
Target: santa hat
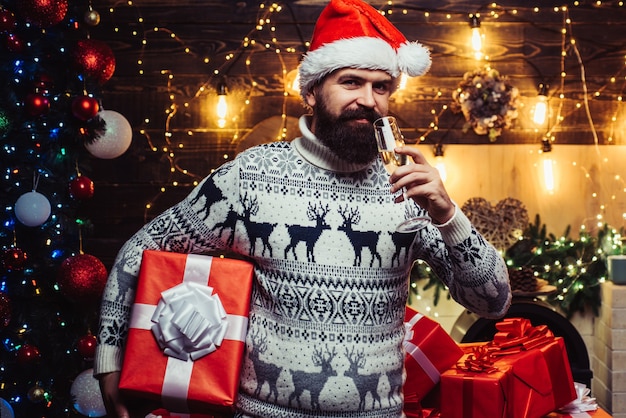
{"x": 352, "y": 34}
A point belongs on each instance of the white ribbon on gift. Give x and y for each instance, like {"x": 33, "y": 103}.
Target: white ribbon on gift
{"x": 187, "y": 307}
{"x": 583, "y": 403}
{"x": 189, "y": 322}
{"x": 415, "y": 352}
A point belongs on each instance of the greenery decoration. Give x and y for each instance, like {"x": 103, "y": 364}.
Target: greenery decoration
{"x": 488, "y": 102}
{"x": 575, "y": 266}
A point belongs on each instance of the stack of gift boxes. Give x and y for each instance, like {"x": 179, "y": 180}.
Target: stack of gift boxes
{"x": 190, "y": 313}
{"x": 523, "y": 372}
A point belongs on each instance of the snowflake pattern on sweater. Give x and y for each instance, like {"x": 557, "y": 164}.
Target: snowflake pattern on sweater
{"x": 331, "y": 279}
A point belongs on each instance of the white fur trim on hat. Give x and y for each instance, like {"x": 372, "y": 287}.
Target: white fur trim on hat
{"x": 363, "y": 53}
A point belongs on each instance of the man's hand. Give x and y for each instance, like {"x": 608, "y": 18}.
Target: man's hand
{"x": 422, "y": 183}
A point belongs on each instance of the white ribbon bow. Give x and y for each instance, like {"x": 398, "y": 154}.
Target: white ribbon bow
{"x": 582, "y": 403}
{"x": 189, "y": 321}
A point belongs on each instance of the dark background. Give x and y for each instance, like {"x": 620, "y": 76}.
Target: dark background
{"x": 171, "y": 55}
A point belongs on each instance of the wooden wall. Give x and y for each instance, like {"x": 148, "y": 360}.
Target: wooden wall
{"x": 187, "y": 41}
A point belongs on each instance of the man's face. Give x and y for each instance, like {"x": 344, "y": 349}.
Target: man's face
{"x": 345, "y": 105}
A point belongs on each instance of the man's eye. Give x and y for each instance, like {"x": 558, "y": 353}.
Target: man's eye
{"x": 381, "y": 88}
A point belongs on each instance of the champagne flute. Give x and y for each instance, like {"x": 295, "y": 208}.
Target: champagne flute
{"x": 389, "y": 137}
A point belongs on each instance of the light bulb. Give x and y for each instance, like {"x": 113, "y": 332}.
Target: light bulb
{"x": 547, "y": 166}
{"x": 222, "y": 106}
{"x": 403, "y": 80}
{"x": 541, "y": 107}
{"x": 476, "y": 36}
{"x": 548, "y": 174}
{"x": 440, "y": 164}
{"x": 292, "y": 82}
{"x": 295, "y": 85}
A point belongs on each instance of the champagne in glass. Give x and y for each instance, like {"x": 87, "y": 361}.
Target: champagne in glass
{"x": 389, "y": 137}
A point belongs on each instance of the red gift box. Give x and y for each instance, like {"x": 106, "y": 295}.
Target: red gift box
{"x": 523, "y": 373}
{"x": 429, "y": 352}
{"x": 186, "y": 338}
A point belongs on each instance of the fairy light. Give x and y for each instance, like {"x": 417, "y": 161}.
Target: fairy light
{"x": 266, "y": 25}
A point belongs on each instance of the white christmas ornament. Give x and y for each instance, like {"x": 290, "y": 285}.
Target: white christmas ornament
{"x": 32, "y": 209}
{"x": 115, "y": 139}
{"x": 5, "y": 409}
{"x": 87, "y": 396}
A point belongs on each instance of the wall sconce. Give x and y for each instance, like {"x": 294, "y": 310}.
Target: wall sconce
{"x": 547, "y": 165}
{"x": 222, "y": 106}
{"x": 541, "y": 107}
{"x": 440, "y": 164}
{"x": 477, "y": 37}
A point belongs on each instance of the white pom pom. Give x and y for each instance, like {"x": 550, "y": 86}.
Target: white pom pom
{"x": 414, "y": 59}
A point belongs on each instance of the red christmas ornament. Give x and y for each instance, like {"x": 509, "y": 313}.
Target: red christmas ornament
{"x": 86, "y": 346}
{"x": 5, "y": 310}
{"x": 85, "y": 108}
{"x": 36, "y": 104}
{"x": 28, "y": 355}
{"x": 14, "y": 43}
{"x": 81, "y": 188}
{"x": 14, "y": 259}
{"x": 7, "y": 21}
{"x": 82, "y": 278}
{"x": 43, "y": 13}
{"x": 95, "y": 59}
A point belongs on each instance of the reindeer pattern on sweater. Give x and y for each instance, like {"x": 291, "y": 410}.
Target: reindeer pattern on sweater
{"x": 331, "y": 278}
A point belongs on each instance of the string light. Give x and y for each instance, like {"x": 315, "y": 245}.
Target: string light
{"x": 265, "y": 34}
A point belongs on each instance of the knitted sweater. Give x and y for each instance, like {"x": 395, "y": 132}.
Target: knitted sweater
{"x": 330, "y": 279}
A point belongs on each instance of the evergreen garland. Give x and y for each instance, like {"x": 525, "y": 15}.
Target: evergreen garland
{"x": 575, "y": 266}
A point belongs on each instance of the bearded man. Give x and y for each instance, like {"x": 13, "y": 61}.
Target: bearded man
{"x": 317, "y": 216}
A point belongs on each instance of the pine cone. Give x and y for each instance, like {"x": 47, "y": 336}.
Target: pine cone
{"x": 523, "y": 279}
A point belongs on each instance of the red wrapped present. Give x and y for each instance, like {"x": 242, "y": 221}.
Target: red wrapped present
{"x": 429, "y": 351}
{"x": 523, "y": 373}
{"x": 187, "y": 331}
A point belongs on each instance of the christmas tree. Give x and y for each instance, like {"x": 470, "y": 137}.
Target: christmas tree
{"x": 51, "y": 126}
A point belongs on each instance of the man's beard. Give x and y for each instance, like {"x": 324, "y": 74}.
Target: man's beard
{"x": 352, "y": 142}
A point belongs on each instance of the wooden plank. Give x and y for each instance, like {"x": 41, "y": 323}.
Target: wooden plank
{"x": 523, "y": 44}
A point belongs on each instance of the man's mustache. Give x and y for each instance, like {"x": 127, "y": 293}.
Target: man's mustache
{"x": 367, "y": 114}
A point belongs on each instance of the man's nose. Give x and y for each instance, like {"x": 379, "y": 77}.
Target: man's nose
{"x": 366, "y": 98}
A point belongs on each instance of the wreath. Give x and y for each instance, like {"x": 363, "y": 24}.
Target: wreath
{"x": 488, "y": 102}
